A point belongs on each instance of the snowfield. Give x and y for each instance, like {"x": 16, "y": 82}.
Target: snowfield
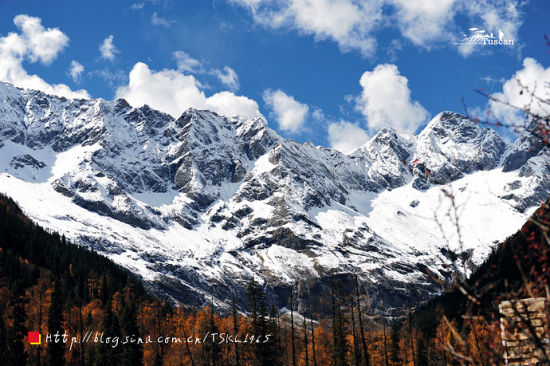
{"x": 206, "y": 202}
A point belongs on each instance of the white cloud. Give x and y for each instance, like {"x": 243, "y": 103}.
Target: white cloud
{"x": 156, "y": 20}
{"x": 424, "y": 22}
{"x": 173, "y": 92}
{"x": 230, "y": 104}
{"x": 352, "y": 24}
{"x": 34, "y": 43}
{"x": 386, "y": 100}
{"x": 42, "y": 44}
{"x": 75, "y": 70}
{"x": 290, "y": 114}
{"x": 187, "y": 63}
{"x": 346, "y": 136}
{"x": 347, "y": 22}
{"x": 504, "y": 15}
{"x": 228, "y": 77}
{"x": 535, "y": 78}
{"x": 108, "y": 49}
{"x": 137, "y": 6}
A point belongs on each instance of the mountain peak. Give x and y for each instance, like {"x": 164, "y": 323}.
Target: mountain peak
{"x": 451, "y": 122}
{"x": 195, "y": 201}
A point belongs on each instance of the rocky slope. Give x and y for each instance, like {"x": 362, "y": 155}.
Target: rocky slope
{"x": 202, "y": 203}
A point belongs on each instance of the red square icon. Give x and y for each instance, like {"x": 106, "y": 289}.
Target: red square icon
{"x": 35, "y": 338}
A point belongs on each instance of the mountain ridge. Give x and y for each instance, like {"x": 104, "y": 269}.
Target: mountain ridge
{"x": 206, "y": 202}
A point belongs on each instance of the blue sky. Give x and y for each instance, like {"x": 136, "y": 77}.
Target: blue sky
{"x": 330, "y": 71}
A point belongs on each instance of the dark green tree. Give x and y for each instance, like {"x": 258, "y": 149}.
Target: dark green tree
{"x": 339, "y": 343}
{"x": 235, "y": 330}
{"x": 273, "y": 348}
{"x": 56, "y": 348}
{"x": 15, "y": 350}
{"x": 108, "y": 352}
{"x": 131, "y": 352}
{"x": 395, "y": 356}
{"x": 257, "y": 307}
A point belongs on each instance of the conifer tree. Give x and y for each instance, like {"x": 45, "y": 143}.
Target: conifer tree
{"x": 3, "y": 340}
{"x": 235, "y": 331}
{"x": 56, "y": 350}
{"x": 273, "y": 346}
{"x": 292, "y": 337}
{"x": 361, "y": 328}
{"x": 15, "y": 351}
{"x": 394, "y": 344}
{"x": 258, "y": 312}
{"x": 131, "y": 352}
{"x": 213, "y": 347}
{"x": 339, "y": 345}
{"x": 107, "y": 353}
{"x": 305, "y": 341}
{"x": 314, "y": 354}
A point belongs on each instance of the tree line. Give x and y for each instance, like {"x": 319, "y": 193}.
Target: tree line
{"x": 50, "y": 285}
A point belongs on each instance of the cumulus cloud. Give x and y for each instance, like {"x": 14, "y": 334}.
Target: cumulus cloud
{"x": 424, "y": 22}
{"x": 536, "y": 79}
{"x": 34, "y": 43}
{"x": 161, "y": 22}
{"x": 173, "y": 92}
{"x": 42, "y": 44}
{"x": 108, "y": 49}
{"x": 347, "y": 22}
{"x": 230, "y": 104}
{"x": 386, "y": 100}
{"x": 187, "y": 63}
{"x": 352, "y": 24}
{"x": 346, "y": 136}
{"x": 228, "y": 77}
{"x": 290, "y": 114}
{"x": 75, "y": 70}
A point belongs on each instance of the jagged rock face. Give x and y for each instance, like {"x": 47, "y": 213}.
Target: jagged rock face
{"x": 452, "y": 145}
{"x": 207, "y": 202}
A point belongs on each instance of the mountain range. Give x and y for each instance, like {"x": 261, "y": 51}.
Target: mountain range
{"x": 199, "y": 205}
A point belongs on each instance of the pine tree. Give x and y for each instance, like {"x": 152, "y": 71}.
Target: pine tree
{"x": 132, "y": 353}
{"x": 361, "y": 328}
{"x": 292, "y": 336}
{"x": 356, "y": 353}
{"x": 305, "y": 341}
{"x": 339, "y": 346}
{"x": 273, "y": 346}
{"x": 422, "y": 351}
{"x": 411, "y": 339}
{"x": 3, "y": 340}
{"x": 235, "y": 330}
{"x": 386, "y": 361}
{"x": 394, "y": 345}
{"x": 258, "y": 312}
{"x": 313, "y": 351}
{"x": 15, "y": 350}
{"x": 56, "y": 350}
{"x": 213, "y": 329}
{"x": 107, "y": 353}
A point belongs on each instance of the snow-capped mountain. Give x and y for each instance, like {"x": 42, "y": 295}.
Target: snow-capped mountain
{"x": 200, "y": 204}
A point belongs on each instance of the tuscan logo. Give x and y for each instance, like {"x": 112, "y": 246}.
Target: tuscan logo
{"x": 34, "y": 338}
{"x": 481, "y": 37}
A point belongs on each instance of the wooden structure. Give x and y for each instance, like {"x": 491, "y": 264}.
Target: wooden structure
{"x": 524, "y": 325}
